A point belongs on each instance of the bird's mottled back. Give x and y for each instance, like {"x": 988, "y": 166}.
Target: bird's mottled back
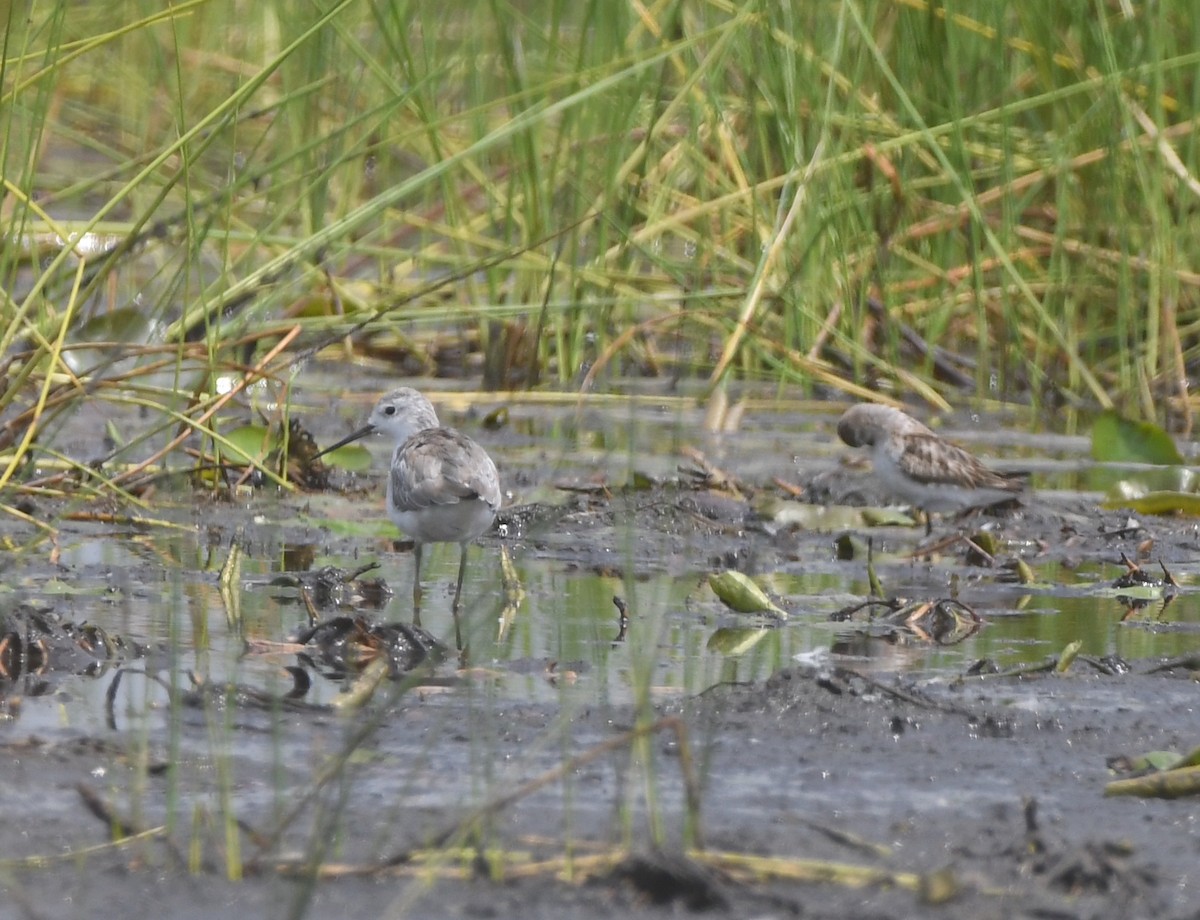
{"x": 913, "y": 463}
{"x": 930, "y": 459}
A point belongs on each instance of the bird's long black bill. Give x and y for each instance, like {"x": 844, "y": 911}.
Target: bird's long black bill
{"x": 361, "y": 433}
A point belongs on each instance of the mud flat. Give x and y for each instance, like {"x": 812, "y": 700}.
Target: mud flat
{"x": 982, "y": 797}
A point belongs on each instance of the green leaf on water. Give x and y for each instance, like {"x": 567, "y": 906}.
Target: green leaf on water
{"x": 741, "y": 594}
{"x": 1121, "y": 440}
{"x": 887, "y": 517}
{"x": 1158, "y": 760}
{"x": 987, "y": 541}
{"x": 1159, "y": 503}
{"x": 640, "y": 482}
{"x": 1132, "y": 592}
{"x": 1190, "y": 759}
{"x": 124, "y": 324}
{"x": 1167, "y": 784}
{"x": 354, "y": 458}
{"x": 807, "y": 516}
{"x": 250, "y": 443}
{"x": 496, "y": 419}
{"x": 58, "y": 588}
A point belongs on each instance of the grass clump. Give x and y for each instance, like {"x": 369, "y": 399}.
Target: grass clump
{"x": 967, "y": 202}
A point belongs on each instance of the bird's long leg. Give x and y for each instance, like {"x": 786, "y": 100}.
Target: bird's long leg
{"x": 462, "y": 570}
{"x": 416, "y": 584}
{"x": 457, "y": 606}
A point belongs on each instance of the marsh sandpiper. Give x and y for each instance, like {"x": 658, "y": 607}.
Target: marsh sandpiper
{"x": 914, "y": 464}
{"x": 442, "y": 487}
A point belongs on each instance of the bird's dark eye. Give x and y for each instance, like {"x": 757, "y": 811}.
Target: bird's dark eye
{"x": 389, "y": 410}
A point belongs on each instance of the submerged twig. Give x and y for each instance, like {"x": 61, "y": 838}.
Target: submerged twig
{"x": 43, "y": 860}
{"x": 622, "y": 618}
{"x": 122, "y": 829}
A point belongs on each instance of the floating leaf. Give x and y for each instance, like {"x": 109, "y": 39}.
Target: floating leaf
{"x": 1167, "y": 784}
{"x": 59, "y": 588}
{"x": 850, "y": 545}
{"x": 939, "y": 887}
{"x": 353, "y": 458}
{"x": 640, "y": 482}
{"x": 1155, "y": 760}
{"x": 1159, "y": 503}
{"x": 887, "y": 517}
{"x": 248, "y": 444}
{"x": 371, "y": 526}
{"x": 1149, "y": 592}
{"x": 1121, "y": 440}
{"x": 123, "y": 324}
{"x": 807, "y": 516}
{"x": 741, "y": 594}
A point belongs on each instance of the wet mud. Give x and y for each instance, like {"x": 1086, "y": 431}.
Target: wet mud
{"x": 968, "y": 798}
{"x": 837, "y": 787}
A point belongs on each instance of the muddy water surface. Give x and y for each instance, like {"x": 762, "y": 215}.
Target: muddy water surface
{"x": 621, "y": 521}
{"x": 619, "y": 510}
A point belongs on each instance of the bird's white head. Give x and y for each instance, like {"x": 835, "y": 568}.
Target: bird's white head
{"x": 402, "y": 413}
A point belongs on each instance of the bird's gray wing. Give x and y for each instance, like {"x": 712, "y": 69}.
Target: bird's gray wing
{"x": 440, "y": 466}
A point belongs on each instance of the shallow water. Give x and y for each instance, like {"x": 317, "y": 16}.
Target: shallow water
{"x": 651, "y": 548}
{"x": 895, "y": 746}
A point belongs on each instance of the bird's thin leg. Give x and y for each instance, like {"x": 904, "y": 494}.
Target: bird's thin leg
{"x": 462, "y": 570}
{"x": 928, "y": 523}
{"x": 457, "y": 606}
{"x": 416, "y": 584}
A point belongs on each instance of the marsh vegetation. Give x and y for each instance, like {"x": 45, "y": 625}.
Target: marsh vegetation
{"x": 601, "y": 232}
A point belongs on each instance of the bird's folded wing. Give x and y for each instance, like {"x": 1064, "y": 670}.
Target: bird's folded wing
{"x": 441, "y": 467}
{"x": 930, "y": 459}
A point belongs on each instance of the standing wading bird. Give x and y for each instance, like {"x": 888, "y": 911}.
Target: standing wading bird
{"x": 442, "y": 487}
{"x": 921, "y": 468}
